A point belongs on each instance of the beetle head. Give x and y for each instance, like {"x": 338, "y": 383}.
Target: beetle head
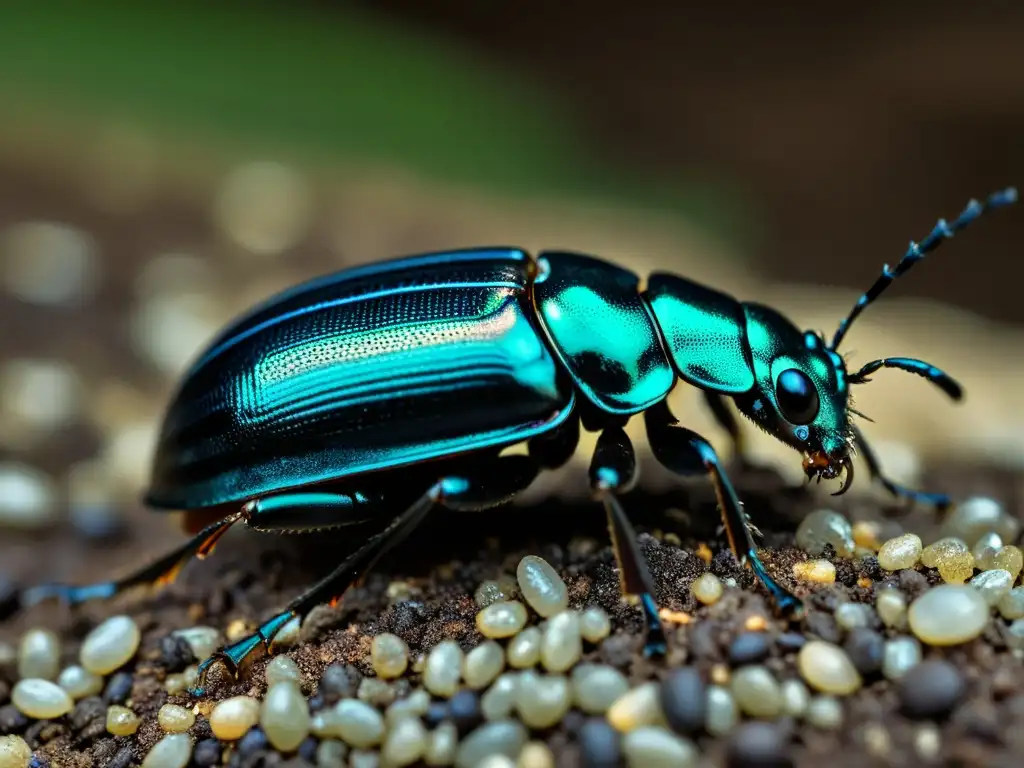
{"x": 801, "y": 393}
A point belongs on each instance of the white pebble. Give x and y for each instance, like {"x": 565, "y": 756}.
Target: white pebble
{"x": 41, "y": 699}
{"x": 28, "y": 498}
{"x": 993, "y": 585}
{"x": 202, "y": 640}
{"x": 264, "y": 207}
{"x": 174, "y": 719}
{"x": 483, "y": 664}
{"x": 900, "y": 655}
{"x": 524, "y": 649}
{"x": 597, "y": 686}
{"x": 499, "y": 620}
{"x": 111, "y": 645}
{"x": 359, "y": 724}
{"x": 282, "y": 669}
{"x": 231, "y": 718}
{"x": 891, "y": 606}
{"x": 172, "y": 751}
{"x": 389, "y": 655}
{"x": 655, "y": 747}
{"x": 499, "y": 700}
{"x": 900, "y": 552}
{"x": 853, "y": 615}
{"x": 827, "y": 668}
{"x": 823, "y": 527}
{"x": 415, "y": 704}
{"x": 595, "y": 624}
{"x": 707, "y": 588}
{"x": 444, "y": 669}
{"x": 284, "y": 716}
{"x": 48, "y": 263}
{"x": 405, "y": 743}
{"x": 1011, "y": 606}
{"x": 14, "y": 752}
{"x": 825, "y": 712}
{"x": 542, "y": 700}
{"x": 978, "y": 515}
{"x": 985, "y": 550}
{"x": 757, "y": 691}
{"x": 79, "y": 682}
{"x": 949, "y": 614}
{"x": 443, "y": 742}
{"x": 503, "y": 737}
{"x": 541, "y": 586}
{"x": 637, "y": 707}
{"x": 39, "y": 654}
{"x": 795, "y": 698}
{"x": 562, "y": 645}
{"x": 722, "y": 711}
{"x": 40, "y": 395}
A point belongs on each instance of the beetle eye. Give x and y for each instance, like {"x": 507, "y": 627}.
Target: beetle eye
{"x": 797, "y": 397}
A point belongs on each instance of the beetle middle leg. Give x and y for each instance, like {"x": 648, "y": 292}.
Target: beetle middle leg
{"x": 485, "y": 483}
{"x": 939, "y": 500}
{"x": 684, "y": 452}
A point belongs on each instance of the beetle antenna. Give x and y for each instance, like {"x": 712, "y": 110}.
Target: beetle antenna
{"x": 864, "y": 416}
{"x": 918, "y": 251}
{"x": 936, "y": 376}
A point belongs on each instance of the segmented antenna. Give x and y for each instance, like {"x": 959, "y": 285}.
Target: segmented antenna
{"x": 918, "y": 251}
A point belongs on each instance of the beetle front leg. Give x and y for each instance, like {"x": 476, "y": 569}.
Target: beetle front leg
{"x": 613, "y": 470}
{"x": 939, "y": 500}
{"x": 685, "y": 452}
{"x": 726, "y": 419}
{"x": 489, "y": 483}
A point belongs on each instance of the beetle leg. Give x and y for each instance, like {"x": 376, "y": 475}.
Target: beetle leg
{"x": 613, "y": 470}
{"x": 939, "y": 500}
{"x": 488, "y": 483}
{"x": 159, "y": 573}
{"x": 685, "y": 452}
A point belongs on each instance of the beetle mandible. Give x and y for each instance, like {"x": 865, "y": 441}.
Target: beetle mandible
{"x": 301, "y": 414}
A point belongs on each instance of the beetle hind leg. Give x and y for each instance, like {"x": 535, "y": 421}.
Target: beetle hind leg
{"x": 612, "y": 470}
{"x": 685, "y": 452}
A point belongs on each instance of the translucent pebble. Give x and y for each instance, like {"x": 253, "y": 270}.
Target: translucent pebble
{"x": 502, "y": 619}
{"x": 111, "y": 645}
{"x": 48, "y": 263}
{"x": 561, "y": 645}
{"x": 867, "y": 535}
{"x": 937, "y": 551}
{"x": 1010, "y": 559}
{"x": 441, "y": 745}
{"x": 39, "y": 655}
{"x": 815, "y": 571}
{"x": 993, "y": 585}
{"x": 331, "y": 753}
{"x": 232, "y": 718}
{"x": 979, "y": 515}
{"x": 79, "y": 682}
{"x": 536, "y": 754}
{"x": 900, "y": 552}
{"x": 324, "y": 724}
{"x": 174, "y": 719}
{"x": 359, "y": 724}
{"x": 284, "y": 716}
{"x": 825, "y": 712}
{"x": 121, "y": 721}
{"x": 483, "y": 664}
{"x": 1012, "y": 605}
{"x": 948, "y": 614}
{"x": 415, "y": 704}
{"x": 985, "y": 550}
{"x": 288, "y": 635}
{"x": 707, "y": 588}
{"x": 542, "y": 700}
{"x": 824, "y": 527}
{"x": 956, "y": 568}
{"x": 928, "y": 742}
{"x": 795, "y": 698}
{"x": 638, "y": 706}
{"x": 503, "y": 737}
{"x": 901, "y": 654}
{"x": 654, "y": 747}
{"x": 853, "y": 615}
{"x": 541, "y": 586}
{"x": 497, "y": 761}
{"x": 405, "y": 743}
{"x": 282, "y": 669}
{"x": 524, "y": 649}
{"x": 722, "y": 711}
{"x": 493, "y": 591}
{"x": 390, "y": 655}
{"x": 202, "y": 640}
{"x": 14, "y": 752}
{"x": 595, "y": 624}
{"x": 757, "y": 691}
{"x": 28, "y": 497}
{"x": 597, "y": 686}
{"x": 444, "y": 669}
{"x": 827, "y": 668}
{"x": 264, "y": 207}
{"x": 172, "y": 751}
{"x": 499, "y": 700}
{"x": 41, "y": 699}
{"x": 375, "y": 691}
{"x": 891, "y": 606}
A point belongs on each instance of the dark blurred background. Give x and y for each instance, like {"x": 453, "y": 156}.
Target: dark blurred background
{"x": 163, "y": 166}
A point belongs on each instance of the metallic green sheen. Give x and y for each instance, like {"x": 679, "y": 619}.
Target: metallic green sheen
{"x": 777, "y": 345}
{"x": 705, "y": 332}
{"x": 602, "y": 331}
{"x": 366, "y": 369}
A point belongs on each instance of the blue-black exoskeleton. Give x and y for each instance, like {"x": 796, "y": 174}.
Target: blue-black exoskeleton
{"x": 379, "y": 392}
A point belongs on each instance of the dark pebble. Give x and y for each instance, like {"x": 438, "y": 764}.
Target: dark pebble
{"x": 307, "y": 749}
{"x": 339, "y": 681}
{"x": 790, "y": 642}
{"x": 118, "y": 689}
{"x": 5, "y": 691}
{"x": 206, "y": 753}
{"x": 254, "y": 741}
{"x": 98, "y": 523}
{"x": 39, "y": 761}
{"x": 748, "y": 648}
{"x": 703, "y": 640}
{"x": 316, "y": 702}
{"x": 464, "y": 710}
{"x": 758, "y": 745}
{"x": 175, "y": 653}
{"x": 123, "y": 759}
{"x": 824, "y": 626}
{"x": 617, "y": 651}
{"x": 11, "y": 720}
{"x": 600, "y": 745}
{"x": 436, "y": 714}
{"x": 684, "y": 700}
{"x": 86, "y": 710}
{"x": 931, "y": 689}
{"x": 573, "y": 721}
{"x": 866, "y": 649}
{"x": 912, "y": 582}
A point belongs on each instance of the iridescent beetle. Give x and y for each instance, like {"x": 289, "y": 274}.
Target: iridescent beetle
{"x": 376, "y": 393}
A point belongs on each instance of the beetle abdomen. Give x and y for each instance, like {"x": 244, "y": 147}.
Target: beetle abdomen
{"x": 367, "y": 369}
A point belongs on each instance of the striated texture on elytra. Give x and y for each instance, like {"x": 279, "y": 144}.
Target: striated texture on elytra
{"x": 503, "y": 619}
{"x": 827, "y": 668}
{"x": 900, "y": 552}
{"x": 948, "y": 614}
{"x": 41, "y": 699}
{"x": 111, "y": 645}
{"x": 822, "y": 528}
{"x": 172, "y": 751}
{"x": 284, "y": 716}
{"x": 541, "y": 586}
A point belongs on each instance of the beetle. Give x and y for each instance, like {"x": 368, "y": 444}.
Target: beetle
{"x": 378, "y": 392}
